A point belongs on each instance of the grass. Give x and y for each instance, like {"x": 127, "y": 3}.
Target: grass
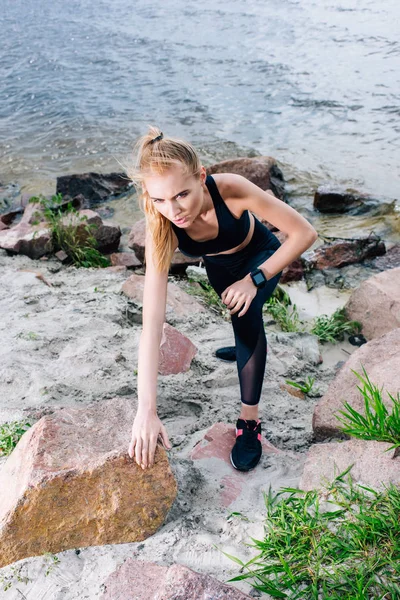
{"x": 342, "y": 542}
{"x": 330, "y": 329}
{"x": 377, "y": 423}
{"x": 10, "y": 434}
{"x": 206, "y": 293}
{"x": 67, "y": 232}
{"x": 305, "y": 386}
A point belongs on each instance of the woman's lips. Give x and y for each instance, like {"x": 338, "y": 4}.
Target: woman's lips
{"x": 180, "y": 221}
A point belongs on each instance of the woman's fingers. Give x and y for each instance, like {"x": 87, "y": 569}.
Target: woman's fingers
{"x": 152, "y": 451}
{"x": 131, "y": 447}
{"x": 138, "y": 451}
{"x": 245, "y": 308}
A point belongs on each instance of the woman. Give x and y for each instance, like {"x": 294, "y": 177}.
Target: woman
{"x": 209, "y": 217}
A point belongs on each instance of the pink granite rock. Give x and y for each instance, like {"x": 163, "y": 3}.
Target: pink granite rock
{"x": 216, "y": 447}
{"x": 178, "y": 304}
{"x": 142, "y": 580}
{"x": 381, "y": 359}
{"x": 176, "y": 352}
{"x": 33, "y": 241}
{"x": 127, "y": 259}
{"x": 376, "y": 304}
{"x": 70, "y": 482}
{"x": 373, "y": 467}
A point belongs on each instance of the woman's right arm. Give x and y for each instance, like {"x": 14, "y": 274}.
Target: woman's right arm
{"x": 147, "y": 425}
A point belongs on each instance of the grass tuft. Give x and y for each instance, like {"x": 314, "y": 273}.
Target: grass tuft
{"x": 10, "y": 434}
{"x": 376, "y": 423}
{"x": 340, "y": 542}
{"x": 67, "y": 235}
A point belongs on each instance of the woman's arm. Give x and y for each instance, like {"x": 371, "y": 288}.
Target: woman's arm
{"x": 147, "y": 425}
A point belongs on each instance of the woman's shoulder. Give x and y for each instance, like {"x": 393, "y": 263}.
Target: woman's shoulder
{"x": 231, "y": 186}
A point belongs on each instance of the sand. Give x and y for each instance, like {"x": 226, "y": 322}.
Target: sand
{"x": 71, "y": 344}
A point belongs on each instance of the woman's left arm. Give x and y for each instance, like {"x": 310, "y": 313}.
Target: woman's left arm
{"x": 300, "y": 233}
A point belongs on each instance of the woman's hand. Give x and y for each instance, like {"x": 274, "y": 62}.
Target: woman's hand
{"x": 240, "y": 293}
{"x": 146, "y": 429}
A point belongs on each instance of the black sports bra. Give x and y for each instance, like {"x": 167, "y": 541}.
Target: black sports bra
{"x": 231, "y": 230}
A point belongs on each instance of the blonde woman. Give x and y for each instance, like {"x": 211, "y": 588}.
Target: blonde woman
{"x": 212, "y": 217}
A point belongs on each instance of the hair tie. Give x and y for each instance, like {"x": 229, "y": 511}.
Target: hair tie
{"x": 156, "y": 139}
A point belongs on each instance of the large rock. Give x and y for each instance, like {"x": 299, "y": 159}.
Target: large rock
{"x": 373, "y": 466}
{"x": 176, "y": 352}
{"x": 260, "y": 170}
{"x": 179, "y": 304}
{"x": 142, "y": 580}
{"x": 31, "y": 240}
{"x": 339, "y": 199}
{"x": 70, "y": 482}
{"x": 381, "y": 360}
{"x": 344, "y": 252}
{"x": 376, "y": 304}
{"x": 137, "y": 241}
{"x": 95, "y": 187}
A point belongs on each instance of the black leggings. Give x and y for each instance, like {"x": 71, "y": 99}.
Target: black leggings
{"x": 250, "y": 339}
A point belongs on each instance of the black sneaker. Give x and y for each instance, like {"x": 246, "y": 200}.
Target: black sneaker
{"x": 228, "y": 353}
{"x": 246, "y": 452}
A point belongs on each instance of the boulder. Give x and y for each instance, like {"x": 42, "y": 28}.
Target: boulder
{"x": 339, "y": 199}
{"x": 70, "y": 483}
{"x": 390, "y": 260}
{"x": 212, "y": 457}
{"x": 179, "y": 303}
{"x": 376, "y": 304}
{"x": 344, "y": 252}
{"x": 380, "y": 357}
{"x": 94, "y": 187}
{"x": 127, "y": 259}
{"x": 33, "y": 241}
{"x": 373, "y": 467}
{"x": 176, "y": 352}
{"x": 143, "y": 580}
{"x": 260, "y": 170}
{"x": 137, "y": 241}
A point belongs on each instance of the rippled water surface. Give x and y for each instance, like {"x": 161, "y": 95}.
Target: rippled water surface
{"x": 314, "y": 84}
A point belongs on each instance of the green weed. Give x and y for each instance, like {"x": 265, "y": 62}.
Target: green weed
{"x": 66, "y": 233}
{"x": 340, "y": 542}
{"x": 376, "y": 423}
{"x": 10, "y": 434}
{"x": 330, "y": 329}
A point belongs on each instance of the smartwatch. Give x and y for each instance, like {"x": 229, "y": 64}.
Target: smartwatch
{"x": 258, "y": 278}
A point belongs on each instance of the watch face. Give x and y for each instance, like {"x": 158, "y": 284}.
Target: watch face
{"x": 259, "y": 279}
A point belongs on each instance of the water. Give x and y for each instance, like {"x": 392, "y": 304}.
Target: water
{"x": 314, "y": 84}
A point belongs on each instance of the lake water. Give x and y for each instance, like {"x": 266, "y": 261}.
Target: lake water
{"x": 314, "y": 84}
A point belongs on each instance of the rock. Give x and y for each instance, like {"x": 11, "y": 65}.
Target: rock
{"x": 380, "y": 357}
{"x": 137, "y": 241}
{"x": 344, "y": 252}
{"x": 62, "y": 256}
{"x": 179, "y": 304}
{"x": 70, "y": 482}
{"x": 33, "y": 241}
{"x": 390, "y": 260}
{"x": 198, "y": 274}
{"x": 143, "y": 580}
{"x": 373, "y": 467}
{"x": 127, "y": 259}
{"x": 213, "y": 453}
{"x": 8, "y": 195}
{"x": 7, "y": 218}
{"x": 94, "y": 187}
{"x": 296, "y": 392}
{"x": 376, "y": 304}
{"x": 260, "y": 170}
{"x": 176, "y": 352}
{"x": 338, "y": 199}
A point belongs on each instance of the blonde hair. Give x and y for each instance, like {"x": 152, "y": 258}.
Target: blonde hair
{"x": 155, "y": 156}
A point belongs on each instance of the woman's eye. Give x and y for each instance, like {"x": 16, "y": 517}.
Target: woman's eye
{"x": 183, "y": 194}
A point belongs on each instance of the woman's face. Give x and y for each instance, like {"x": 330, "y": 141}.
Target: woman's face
{"x": 177, "y": 195}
